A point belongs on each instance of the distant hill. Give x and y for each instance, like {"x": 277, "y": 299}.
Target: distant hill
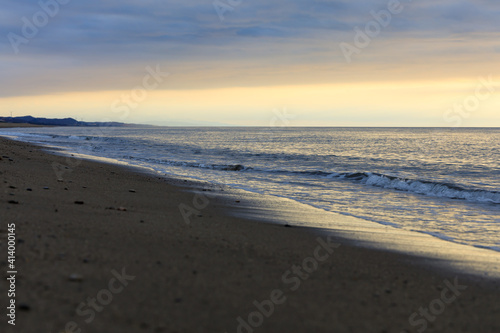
{"x": 57, "y": 122}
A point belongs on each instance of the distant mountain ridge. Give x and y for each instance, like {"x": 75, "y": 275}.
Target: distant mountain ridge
{"x": 58, "y": 121}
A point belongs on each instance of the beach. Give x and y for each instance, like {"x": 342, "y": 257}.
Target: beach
{"x": 104, "y": 248}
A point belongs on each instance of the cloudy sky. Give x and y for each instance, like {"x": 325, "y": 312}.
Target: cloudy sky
{"x": 242, "y": 62}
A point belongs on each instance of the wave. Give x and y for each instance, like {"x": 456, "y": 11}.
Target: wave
{"x": 417, "y": 186}
{"x": 220, "y": 167}
{"x": 436, "y": 189}
{"x": 424, "y": 187}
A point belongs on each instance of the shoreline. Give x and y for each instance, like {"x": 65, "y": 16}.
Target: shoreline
{"x": 204, "y": 275}
{"x": 454, "y": 228}
{"x": 426, "y": 249}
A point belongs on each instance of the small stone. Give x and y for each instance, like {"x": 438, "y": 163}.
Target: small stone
{"x": 13, "y": 187}
{"x": 14, "y": 202}
{"x": 46, "y": 188}
{"x": 142, "y": 221}
{"x": 75, "y": 278}
{"x": 24, "y": 307}
{"x": 60, "y": 180}
{"x": 131, "y": 191}
{"x": 238, "y": 201}
{"x": 287, "y": 226}
{"x": 122, "y": 209}
{"x": 29, "y": 189}
{"x": 79, "y": 202}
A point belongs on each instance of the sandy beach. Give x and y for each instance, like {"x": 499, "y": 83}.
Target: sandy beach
{"x": 102, "y": 248}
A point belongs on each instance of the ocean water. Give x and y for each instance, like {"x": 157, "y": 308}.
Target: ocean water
{"x": 445, "y": 182}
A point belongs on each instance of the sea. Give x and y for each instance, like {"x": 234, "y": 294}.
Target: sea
{"x": 441, "y": 181}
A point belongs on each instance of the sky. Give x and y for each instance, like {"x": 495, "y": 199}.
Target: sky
{"x": 253, "y": 62}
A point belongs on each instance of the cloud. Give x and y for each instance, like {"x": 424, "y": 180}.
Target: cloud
{"x": 107, "y": 44}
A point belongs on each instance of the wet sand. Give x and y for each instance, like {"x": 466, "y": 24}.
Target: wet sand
{"x": 102, "y": 248}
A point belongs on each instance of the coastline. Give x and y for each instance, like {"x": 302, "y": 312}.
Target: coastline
{"x": 201, "y": 277}
{"x": 14, "y": 125}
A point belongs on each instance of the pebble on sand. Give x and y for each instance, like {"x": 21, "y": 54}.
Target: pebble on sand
{"x": 78, "y": 202}
{"x": 75, "y": 277}
{"x": 24, "y": 307}
{"x": 131, "y": 191}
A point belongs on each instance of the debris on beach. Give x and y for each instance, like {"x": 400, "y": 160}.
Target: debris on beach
{"x": 24, "y": 307}
{"x": 121, "y": 209}
{"x": 75, "y": 277}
